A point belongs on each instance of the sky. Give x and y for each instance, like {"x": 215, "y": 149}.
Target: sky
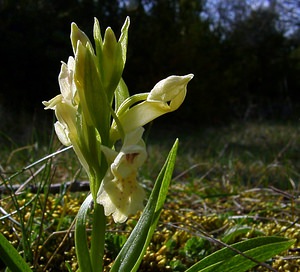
{"x": 289, "y": 10}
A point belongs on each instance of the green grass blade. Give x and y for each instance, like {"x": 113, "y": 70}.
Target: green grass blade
{"x": 226, "y": 259}
{"x": 82, "y": 250}
{"x": 11, "y": 257}
{"x": 135, "y": 247}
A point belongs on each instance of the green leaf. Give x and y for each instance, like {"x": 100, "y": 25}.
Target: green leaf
{"x": 82, "y": 250}
{"x": 227, "y": 259}
{"x": 98, "y": 38}
{"x": 112, "y": 62}
{"x": 11, "y": 257}
{"x": 113, "y": 58}
{"x": 68, "y": 266}
{"x": 121, "y": 94}
{"x": 98, "y": 238}
{"x": 196, "y": 248}
{"x": 98, "y": 46}
{"x": 123, "y": 40}
{"x": 79, "y": 35}
{"x": 135, "y": 247}
{"x": 93, "y": 98}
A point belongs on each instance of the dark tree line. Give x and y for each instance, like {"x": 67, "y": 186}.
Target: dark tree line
{"x": 245, "y": 58}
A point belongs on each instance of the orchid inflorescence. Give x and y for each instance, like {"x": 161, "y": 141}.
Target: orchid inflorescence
{"x": 90, "y": 84}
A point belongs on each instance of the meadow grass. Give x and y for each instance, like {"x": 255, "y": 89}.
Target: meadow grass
{"x": 230, "y": 183}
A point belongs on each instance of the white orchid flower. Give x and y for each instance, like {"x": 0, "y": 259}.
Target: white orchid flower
{"x": 67, "y": 83}
{"x": 166, "y": 96}
{"x": 120, "y": 193}
{"x": 64, "y": 104}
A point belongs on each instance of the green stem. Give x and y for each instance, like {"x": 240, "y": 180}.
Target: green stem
{"x": 98, "y": 238}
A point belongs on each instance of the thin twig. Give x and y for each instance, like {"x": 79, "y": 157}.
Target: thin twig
{"x": 73, "y": 186}
{"x": 60, "y": 244}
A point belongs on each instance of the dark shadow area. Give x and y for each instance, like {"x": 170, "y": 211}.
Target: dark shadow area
{"x": 246, "y": 65}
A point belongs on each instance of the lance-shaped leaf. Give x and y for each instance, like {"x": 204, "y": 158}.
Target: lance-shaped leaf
{"x": 82, "y": 250}
{"x": 240, "y": 257}
{"x": 121, "y": 94}
{"x": 11, "y": 257}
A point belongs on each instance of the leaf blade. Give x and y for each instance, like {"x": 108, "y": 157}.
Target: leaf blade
{"x": 11, "y": 257}
{"x": 82, "y": 251}
{"x": 226, "y": 259}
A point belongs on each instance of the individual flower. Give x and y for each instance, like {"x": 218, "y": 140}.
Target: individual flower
{"x": 65, "y": 104}
{"x": 120, "y": 193}
{"x": 166, "y": 96}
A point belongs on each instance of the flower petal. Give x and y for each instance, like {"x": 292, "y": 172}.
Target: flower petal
{"x": 169, "y": 88}
{"x": 120, "y": 197}
{"x": 142, "y": 114}
{"x": 51, "y": 104}
{"x": 62, "y": 133}
{"x": 66, "y": 81}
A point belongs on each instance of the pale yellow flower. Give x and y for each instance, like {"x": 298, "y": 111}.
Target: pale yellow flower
{"x": 66, "y": 82}
{"x": 166, "y": 96}
{"x": 65, "y": 104}
{"x": 120, "y": 193}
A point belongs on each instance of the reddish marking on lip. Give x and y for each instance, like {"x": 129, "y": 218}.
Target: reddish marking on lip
{"x": 130, "y": 157}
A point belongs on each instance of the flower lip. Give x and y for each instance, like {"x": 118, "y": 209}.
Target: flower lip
{"x": 120, "y": 193}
